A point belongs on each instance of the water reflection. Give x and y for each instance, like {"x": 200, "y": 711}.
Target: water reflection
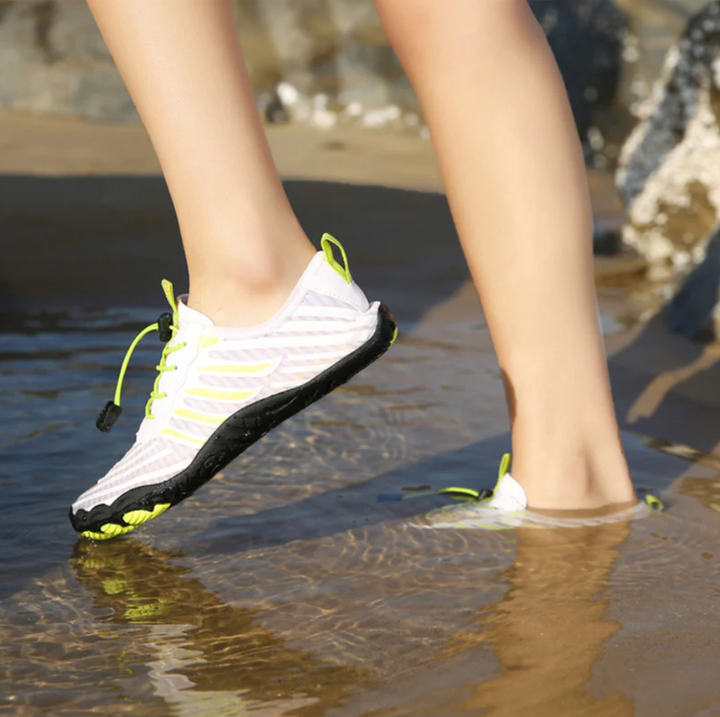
{"x": 205, "y": 657}
{"x": 550, "y": 628}
{"x": 703, "y": 485}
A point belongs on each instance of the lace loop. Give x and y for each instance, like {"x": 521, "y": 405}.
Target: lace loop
{"x": 162, "y": 368}
{"x": 167, "y": 328}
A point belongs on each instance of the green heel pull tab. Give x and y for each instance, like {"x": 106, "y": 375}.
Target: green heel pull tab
{"x": 504, "y": 466}
{"x": 327, "y": 243}
{"x": 654, "y": 503}
{"x": 169, "y": 292}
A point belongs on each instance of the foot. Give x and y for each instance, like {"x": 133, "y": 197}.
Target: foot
{"x": 219, "y": 390}
{"x": 507, "y": 508}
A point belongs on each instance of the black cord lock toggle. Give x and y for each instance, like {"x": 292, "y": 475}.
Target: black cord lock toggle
{"x": 108, "y": 416}
{"x": 164, "y": 323}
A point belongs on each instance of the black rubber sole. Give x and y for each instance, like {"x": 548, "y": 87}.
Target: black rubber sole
{"x": 233, "y": 437}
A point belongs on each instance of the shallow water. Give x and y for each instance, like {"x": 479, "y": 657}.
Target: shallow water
{"x": 294, "y": 583}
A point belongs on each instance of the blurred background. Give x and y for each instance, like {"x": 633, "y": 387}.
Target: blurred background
{"x": 326, "y": 65}
{"x": 259, "y": 596}
{"x": 325, "y": 62}
{"x": 306, "y": 56}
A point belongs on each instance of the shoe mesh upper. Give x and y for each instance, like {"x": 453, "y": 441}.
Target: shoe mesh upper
{"x": 232, "y": 369}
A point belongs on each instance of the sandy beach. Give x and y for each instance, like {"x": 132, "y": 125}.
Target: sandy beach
{"x": 292, "y": 584}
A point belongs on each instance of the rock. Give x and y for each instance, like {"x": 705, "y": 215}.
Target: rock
{"x": 694, "y": 310}
{"x": 53, "y": 59}
{"x": 669, "y": 174}
{"x": 587, "y": 39}
{"x": 654, "y": 28}
{"x": 335, "y": 49}
{"x": 271, "y": 107}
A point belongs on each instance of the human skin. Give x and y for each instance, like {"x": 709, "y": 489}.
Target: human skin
{"x": 182, "y": 63}
{"x": 515, "y": 179}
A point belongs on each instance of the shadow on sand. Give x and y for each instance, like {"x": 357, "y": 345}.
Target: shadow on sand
{"x": 107, "y": 241}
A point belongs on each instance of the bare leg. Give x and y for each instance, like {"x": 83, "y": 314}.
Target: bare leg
{"x": 515, "y": 179}
{"x": 183, "y": 66}
{"x": 245, "y": 251}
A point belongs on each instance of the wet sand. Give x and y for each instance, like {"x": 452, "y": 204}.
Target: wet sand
{"x": 292, "y": 584}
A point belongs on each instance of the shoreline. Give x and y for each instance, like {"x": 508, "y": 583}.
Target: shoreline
{"x": 94, "y": 193}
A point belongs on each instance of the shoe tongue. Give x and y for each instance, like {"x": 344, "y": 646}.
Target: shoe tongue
{"x": 186, "y": 315}
{"x": 509, "y": 495}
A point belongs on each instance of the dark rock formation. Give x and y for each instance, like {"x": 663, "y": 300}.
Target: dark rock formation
{"x": 587, "y": 38}
{"x": 693, "y": 311}
{"x": 669, "y": 175}
{"x": 655, "y": 26}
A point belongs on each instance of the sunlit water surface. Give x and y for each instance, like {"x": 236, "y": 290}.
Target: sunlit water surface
{"x": 295, "y": 584}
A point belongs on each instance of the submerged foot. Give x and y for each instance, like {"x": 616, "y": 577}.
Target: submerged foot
{"x": 507, "y": 507}
{"x": 219, "y": 390}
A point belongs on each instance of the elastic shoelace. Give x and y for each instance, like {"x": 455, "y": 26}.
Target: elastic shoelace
{"x": 459, "y": 493}
{"x": 469, "y": 495}
{"x": 167, "y": 327}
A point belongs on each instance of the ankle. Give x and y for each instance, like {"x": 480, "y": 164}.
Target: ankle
{"x": 246, "y": 294}
{"x": 578, "y": 473}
